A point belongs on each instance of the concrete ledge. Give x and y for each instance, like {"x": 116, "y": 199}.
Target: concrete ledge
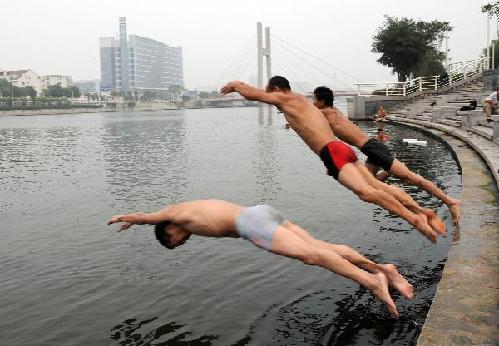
{"x": 488, "y": 151}
{"x": 464, "y": 309}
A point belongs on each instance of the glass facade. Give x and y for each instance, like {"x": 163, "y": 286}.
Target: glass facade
{"x": 148, "y": 64}
{"x": 108, "y": 63}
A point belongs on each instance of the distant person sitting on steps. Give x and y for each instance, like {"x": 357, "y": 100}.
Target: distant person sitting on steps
{"x": 268, "y": 229}
{"x": 490, "y": 105}
{"x": 381, "y": 136}
{"x": 380, "y": 115}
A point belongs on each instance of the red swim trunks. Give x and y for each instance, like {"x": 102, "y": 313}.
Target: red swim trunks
{"x": 335, "y": 155}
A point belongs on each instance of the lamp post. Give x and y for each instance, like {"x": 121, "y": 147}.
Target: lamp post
{"x": 488, "y": 42}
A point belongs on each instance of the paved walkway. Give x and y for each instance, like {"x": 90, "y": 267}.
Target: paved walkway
{"x": 465, "y": 310}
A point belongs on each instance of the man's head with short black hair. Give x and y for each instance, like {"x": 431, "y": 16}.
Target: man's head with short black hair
{"x": 171, "y": 235}
{"x": 323, "y": 97}
{"x": 162, "y": 235}
{"x": 278, "y": 83}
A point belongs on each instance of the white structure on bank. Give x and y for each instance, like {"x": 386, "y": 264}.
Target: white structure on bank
{"x": 23, "y": 78}
{"x": 63, "y": 81}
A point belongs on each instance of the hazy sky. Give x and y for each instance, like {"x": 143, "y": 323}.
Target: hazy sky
{"x": 62, "y": 37}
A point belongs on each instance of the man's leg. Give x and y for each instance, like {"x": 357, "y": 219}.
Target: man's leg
{"x": 286, "y": 243}
{"x": 403, "y": 198}
{"x": 352, "y": 178}
{"x": 377, "y": 172}
{"x": 400, "y": 170}
{"x": 394, "y": 278}
{"x": 487, "y": 108}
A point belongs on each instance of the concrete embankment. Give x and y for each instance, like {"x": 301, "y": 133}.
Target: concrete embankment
{"x": 54, "y": 111}
{"x": 465, "y": 307}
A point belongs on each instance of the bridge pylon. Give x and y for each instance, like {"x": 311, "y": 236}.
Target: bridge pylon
{"x": 263, "y": 52}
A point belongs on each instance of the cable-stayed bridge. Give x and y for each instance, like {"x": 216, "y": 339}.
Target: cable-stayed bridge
{"x": 278, "y": 56}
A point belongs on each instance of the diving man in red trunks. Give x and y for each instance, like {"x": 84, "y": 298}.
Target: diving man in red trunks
{"x": 378, "y": 154}
{"x": 340, "y": 160}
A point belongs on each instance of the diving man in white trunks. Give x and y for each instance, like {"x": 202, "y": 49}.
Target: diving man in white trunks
{"x": 267, "y": 228}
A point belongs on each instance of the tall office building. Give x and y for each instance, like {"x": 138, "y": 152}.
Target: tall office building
{"x": 137, "y": 63}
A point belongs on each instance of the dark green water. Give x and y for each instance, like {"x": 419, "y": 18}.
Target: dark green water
{"x": 68, "y": 279}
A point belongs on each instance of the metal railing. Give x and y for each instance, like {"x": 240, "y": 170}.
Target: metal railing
{"x": 456, "y": 72}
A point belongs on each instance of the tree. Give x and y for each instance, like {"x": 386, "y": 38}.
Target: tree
{"x": 491, "y": 9}
{"x": 5, "y": 88}
{"x": 175, "y": 91}
{"x": 148, "y": 95}
{"x": 431, "y": 64}
{"x": 54, "y": 91}
{"x": 74, "y": 91}
{"x": 31, "y": 92}
{"x": 407, "y": 46}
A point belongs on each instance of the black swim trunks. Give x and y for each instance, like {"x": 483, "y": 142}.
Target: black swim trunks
{"x": 378, "y": 154}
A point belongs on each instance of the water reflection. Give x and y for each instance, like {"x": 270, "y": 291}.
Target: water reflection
{"x": 133, "y": 331}
{"x": 267, "y": 165}
{"x": 146, "y": 153}
{"x": 270, "y": 111}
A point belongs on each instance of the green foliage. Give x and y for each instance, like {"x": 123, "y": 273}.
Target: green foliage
{"x": 8, "y": 90}
{"x": 430, "y": 65}
{"x": 5, "y": 87}
{"x": 74, "y": 90}
{"x": 492, "y": 9}
{"x": 58, "y": 91}
{"x": 409, "y": 46}
{"x": 148, "y": 95}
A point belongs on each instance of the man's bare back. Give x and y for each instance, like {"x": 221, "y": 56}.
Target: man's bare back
{"x": 209, "y": 218}
{"x": 344, "y": 129}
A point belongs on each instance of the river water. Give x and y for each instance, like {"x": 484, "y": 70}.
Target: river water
{"x": 68, "y": 279}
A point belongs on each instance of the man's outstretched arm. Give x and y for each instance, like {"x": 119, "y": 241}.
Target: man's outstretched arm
{"x": 165, "y": 214}
{"x": 251, "y": 93}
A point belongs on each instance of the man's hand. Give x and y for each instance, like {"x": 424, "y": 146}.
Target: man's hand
{"x": 127, "y": 220}
{"x": 229, "y": 87}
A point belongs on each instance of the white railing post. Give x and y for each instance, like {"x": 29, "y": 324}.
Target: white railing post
{"x": 386, "y": 93}
{"x": 420, "y": 84}
{"x": 404, "y": 89}
{"x": 450, "y": 79}
{"x": 358, "y": 90}
{"x": 436, "y": 82}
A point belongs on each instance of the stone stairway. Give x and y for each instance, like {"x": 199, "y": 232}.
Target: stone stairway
{"x": 445, "y": 109}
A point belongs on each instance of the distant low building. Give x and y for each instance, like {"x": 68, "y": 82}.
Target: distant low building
{"x": 88, "y": 86}
{"x": 63, "y": 81}
{"x": 23, "y": 78}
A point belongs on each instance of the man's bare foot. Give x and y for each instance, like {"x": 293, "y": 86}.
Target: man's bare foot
{"x": 455, "y": 210}
{"x": 379, "y": 288}
{"x": 435, "y": 222}
{"x": 396, "y": 280}
{"x": 421, "y": 224}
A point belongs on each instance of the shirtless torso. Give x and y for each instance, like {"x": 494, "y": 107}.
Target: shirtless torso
{"x": 307, "y": 121}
